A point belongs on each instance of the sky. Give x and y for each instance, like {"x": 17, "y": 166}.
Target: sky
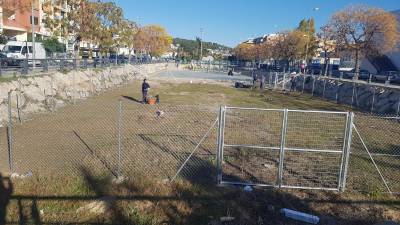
{"x": 230, "y": 22}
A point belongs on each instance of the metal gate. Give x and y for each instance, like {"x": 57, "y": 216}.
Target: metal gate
{"x": 283, "y": 148}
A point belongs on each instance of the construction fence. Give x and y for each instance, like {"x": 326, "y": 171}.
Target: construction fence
{"x": 266, "y": 147}
{"x": 361, "y": 95}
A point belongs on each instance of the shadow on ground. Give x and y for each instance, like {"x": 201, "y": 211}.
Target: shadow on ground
{"x": 194, "y": 199}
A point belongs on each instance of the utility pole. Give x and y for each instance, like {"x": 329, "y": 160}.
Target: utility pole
{"x": 33, "y": 36}
{"x": 201, "y": 44}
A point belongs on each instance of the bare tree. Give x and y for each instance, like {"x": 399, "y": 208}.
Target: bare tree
{"x": 364, "y": 30}
{"x": 327, "y": 45}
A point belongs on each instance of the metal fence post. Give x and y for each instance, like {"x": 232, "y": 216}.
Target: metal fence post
{"x": 62, "y": 65}
{"x": 45, "y": 65}
{"x": 352, "y": 95}
{"x": 398, "y": 108}
{"x": 24, "y": 70}
{"x": 313, "y": 86}
{"x": 1, "y": 65}
{"x": 10, "y": 135}
{"x": 18, "y": 109}
{"x": 270, "y": 80}
{"x": 337, "y": 92}
{"x": 283, "y": 82}
{"x": 220, "y": 142}
{"x": 75, "y": 61}
{"x": 119, "y": 150}
{"x": 373, "y": 101}
{"x": 73, "y": 88}
{"x": 323, "y": 91}
{"x": 282, "y": 147}
{"x": 346, "y": 152}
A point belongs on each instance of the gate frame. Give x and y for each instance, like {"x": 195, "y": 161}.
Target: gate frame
{"x": 345, "y": 152}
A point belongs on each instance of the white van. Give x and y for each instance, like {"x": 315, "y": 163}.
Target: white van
{"x": 19, "y": 49}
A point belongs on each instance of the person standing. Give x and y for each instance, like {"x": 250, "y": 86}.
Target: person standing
{"x": 145, "y": 90}
{"x": 292, "y": 83}
{"x": 254, "y": 77}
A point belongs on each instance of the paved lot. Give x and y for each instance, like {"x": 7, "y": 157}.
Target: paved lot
{"x": 203, "y": 75}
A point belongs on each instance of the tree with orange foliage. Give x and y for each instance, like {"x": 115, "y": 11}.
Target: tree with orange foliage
{"x": 364, "y": 30}
{"x": 245, "y": 51}
{"x": 152, "y": 39}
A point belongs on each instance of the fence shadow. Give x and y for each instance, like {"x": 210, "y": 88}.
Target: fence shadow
{"x": 6, "y": 190}
{"x": 131, "y": 99}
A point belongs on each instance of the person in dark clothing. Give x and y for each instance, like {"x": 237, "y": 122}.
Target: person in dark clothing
{"x": 230, "y": 72}
{"x": 254, "y": 78}
{"x": 292, "y": 83}
{"x": 145, "y": 90}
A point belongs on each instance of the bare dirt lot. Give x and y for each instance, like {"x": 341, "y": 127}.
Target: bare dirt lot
{"x": 73, "y": 155}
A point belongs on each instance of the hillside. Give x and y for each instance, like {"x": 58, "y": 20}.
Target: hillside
{"x": 190, "y": 48}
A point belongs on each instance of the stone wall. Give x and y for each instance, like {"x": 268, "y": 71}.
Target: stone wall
{"x": 49, "y": 92}
{"x": 376, "y": 98}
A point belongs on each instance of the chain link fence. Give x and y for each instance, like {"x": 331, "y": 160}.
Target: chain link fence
{"x": 167, "y": 142}
{"x": 375, "y": 156}
{"x": 272, "y": 147}
{"x": 367, "y": 97}
{"x": 120, "y": 139}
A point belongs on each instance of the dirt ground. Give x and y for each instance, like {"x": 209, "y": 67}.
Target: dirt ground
{"x": 114, "y": 134}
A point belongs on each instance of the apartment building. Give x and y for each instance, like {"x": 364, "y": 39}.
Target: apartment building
{"x": 16, "y": 23}
{"x": 16, "y": 18}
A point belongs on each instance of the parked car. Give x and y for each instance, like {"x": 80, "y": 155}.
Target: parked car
{"x": 4, "y": 61}
{"x": 395, "y": 79}
{"x": 363, "y": 74}
{"x": 383, "y": 77}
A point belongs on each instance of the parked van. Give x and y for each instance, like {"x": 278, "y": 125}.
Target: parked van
{"x": 19, "y": 49}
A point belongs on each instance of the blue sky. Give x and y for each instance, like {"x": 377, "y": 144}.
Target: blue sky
{"x": 231, "y": 21}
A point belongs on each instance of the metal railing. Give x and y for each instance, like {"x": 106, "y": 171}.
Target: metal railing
{"x": 29, "y": 67}
{"x": 357, "y": 94}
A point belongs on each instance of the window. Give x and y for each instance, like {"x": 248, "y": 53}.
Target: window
{"x": 30, "y": 49}
{"x": 12, "y": 49}
{"x": 35, "y": 19}
{"x": 23, "y": 52}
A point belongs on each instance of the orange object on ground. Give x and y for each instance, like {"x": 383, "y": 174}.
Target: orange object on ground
{"x": 151, "y": 101}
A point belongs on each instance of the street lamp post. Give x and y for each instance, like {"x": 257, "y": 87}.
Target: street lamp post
{"x": 33, "y": 37}
{"x": 201, "y": 44}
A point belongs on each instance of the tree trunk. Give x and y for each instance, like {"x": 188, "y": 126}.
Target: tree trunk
{"x": 326, "y": 64}
{"x": 357, "y": 66}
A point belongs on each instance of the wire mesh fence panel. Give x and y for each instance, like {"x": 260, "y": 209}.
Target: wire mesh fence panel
{"x": 252, "y": 140}
{"x": 314, "y": 144}
{"x": 4, "y": 167}
{"x": 381, "y": 136}
{"x": 315, "y": 130}
{"x": 157, "y": 140}
{"x": 62, "y": 143}
{"x": 247, "y": 165}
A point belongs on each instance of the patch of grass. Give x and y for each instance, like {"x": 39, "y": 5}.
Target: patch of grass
{"x": 149, "y": 199}
{"x": 7, "y": 79}
{"x": 144, "y": 200}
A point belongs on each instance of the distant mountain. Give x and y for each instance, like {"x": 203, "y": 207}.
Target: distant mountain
{"x": 191, "y": 48}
